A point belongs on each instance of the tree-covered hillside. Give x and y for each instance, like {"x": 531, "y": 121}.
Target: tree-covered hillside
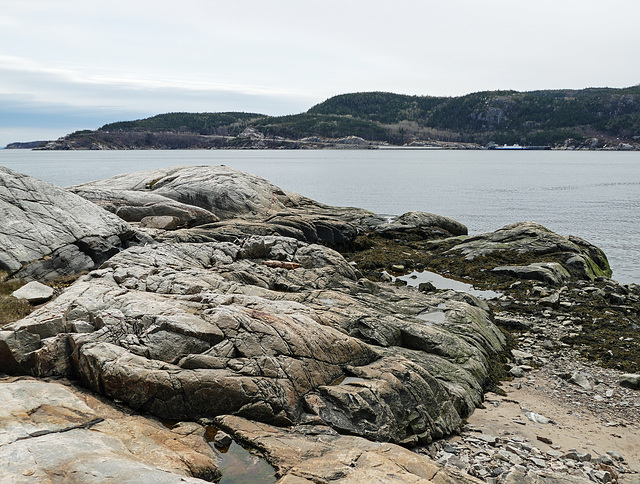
{"x": 538, "y": 117}
{"x": 199, "y": 123}
{"x": 595, "y": 118}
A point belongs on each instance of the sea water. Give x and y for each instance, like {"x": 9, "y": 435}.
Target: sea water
{"x": 594, "y": 195}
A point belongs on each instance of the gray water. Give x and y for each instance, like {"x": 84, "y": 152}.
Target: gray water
{"x": 594, "y": 195}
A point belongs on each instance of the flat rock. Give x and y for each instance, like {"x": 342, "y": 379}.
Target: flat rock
{"x": 50, "y": 429}
{"x": 318, "y": 454}
{"x": 34, "y": 292}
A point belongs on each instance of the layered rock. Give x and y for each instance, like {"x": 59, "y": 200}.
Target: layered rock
{"x": 134, "y": 206}
{"x": 520, "y": 251}
{"x": 48, "y": 232}
{"x": 250, "y": 317}
{"x": 247, "y": 205}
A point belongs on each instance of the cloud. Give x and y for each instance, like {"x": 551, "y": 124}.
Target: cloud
{"x": 66, "y": 58}
{"x": 38, "y": 100}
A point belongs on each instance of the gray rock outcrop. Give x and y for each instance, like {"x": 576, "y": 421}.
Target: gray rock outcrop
{"x": 197, "y": 330}
{"x": 526, "y": 250}
{"x": 238, "y": 309}
{"x": 134, "y": 206}
{"x": 246, "y": 205}
{"x": 48, "y": 232}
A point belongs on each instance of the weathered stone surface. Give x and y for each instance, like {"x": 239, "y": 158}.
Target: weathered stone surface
{"x": 198, "y": 330}
{"x": 423, "y": 220}
{"x": 221, "y": 190}
{"x": 50, "y": 432}
{"x": 15, "y": 348}
{"x": 551, "y": 273}
{"x": 35, "y": 292}
{"x": 48, "y": 232}
{"x": 308, "y": 454}
{"x": 164, "y": 222}
{"x": 248, "y": 205}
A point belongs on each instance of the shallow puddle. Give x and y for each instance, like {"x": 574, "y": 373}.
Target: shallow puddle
{"x": 433, "y": 317}
{"x": 239, "y": 466}
{"x": 415, "y": 278}
{"x": 352, "y": 379}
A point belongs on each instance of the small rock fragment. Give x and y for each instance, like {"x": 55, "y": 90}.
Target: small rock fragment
{"x": 222, "y": 440}
{"x": 630, "y": 380}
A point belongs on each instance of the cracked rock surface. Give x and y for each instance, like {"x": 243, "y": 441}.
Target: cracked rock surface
{"x": 308, "y": 454}
{"x": 246, "y": 311}
{"x": 197, "y": 330}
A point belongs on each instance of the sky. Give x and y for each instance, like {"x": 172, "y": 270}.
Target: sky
{"x": 67, "y": 65}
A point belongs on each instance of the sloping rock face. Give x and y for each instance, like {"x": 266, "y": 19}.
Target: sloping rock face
{"x": 51, "y": 432}
{"x": 197, "y": 330}
{"x": 221, "y": 190}
{"x": 48, "y": 232}
{"x": 134, "y": 206}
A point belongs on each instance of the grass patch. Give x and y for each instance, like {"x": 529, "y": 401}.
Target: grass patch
{"x": 11, "y": 309}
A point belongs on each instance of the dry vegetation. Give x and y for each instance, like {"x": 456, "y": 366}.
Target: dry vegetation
{"x": 11, "y": 309}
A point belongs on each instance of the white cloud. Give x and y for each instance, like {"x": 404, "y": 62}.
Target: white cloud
{"x": 283, "y": 56}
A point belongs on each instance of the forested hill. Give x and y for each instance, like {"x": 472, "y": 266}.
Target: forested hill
{"x": 594, "y": 118}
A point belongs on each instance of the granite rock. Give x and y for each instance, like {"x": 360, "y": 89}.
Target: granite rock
{"x": 48, "y": 232}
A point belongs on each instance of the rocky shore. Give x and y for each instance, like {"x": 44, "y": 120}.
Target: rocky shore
{"x": 186, "y": 299}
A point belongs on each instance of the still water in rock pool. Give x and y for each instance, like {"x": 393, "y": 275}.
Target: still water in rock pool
{"x": 240, "y": 466}
{"x": 416, "y": 278}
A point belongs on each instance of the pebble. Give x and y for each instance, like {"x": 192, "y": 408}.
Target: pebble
{"x": 511, "y": 458}
{"x": 222, "y": 439}
{"x": 584, "y": 387}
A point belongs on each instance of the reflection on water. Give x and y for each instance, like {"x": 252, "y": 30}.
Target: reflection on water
{"x": 433, "y": 317}
{"x": 238, "y": 465}
{"x": 346, "y": 380}
{"x": 416, "y": 278}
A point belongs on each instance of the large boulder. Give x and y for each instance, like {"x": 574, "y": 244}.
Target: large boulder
{"x": 266, "y": 328}
{"x": 48, "y": 232}
{"x": 524, "y": 250}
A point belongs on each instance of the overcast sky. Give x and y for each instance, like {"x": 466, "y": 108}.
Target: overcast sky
{"x": 72, "y": 64}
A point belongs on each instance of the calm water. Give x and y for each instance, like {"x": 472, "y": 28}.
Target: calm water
{"x": 594, "y": 195}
